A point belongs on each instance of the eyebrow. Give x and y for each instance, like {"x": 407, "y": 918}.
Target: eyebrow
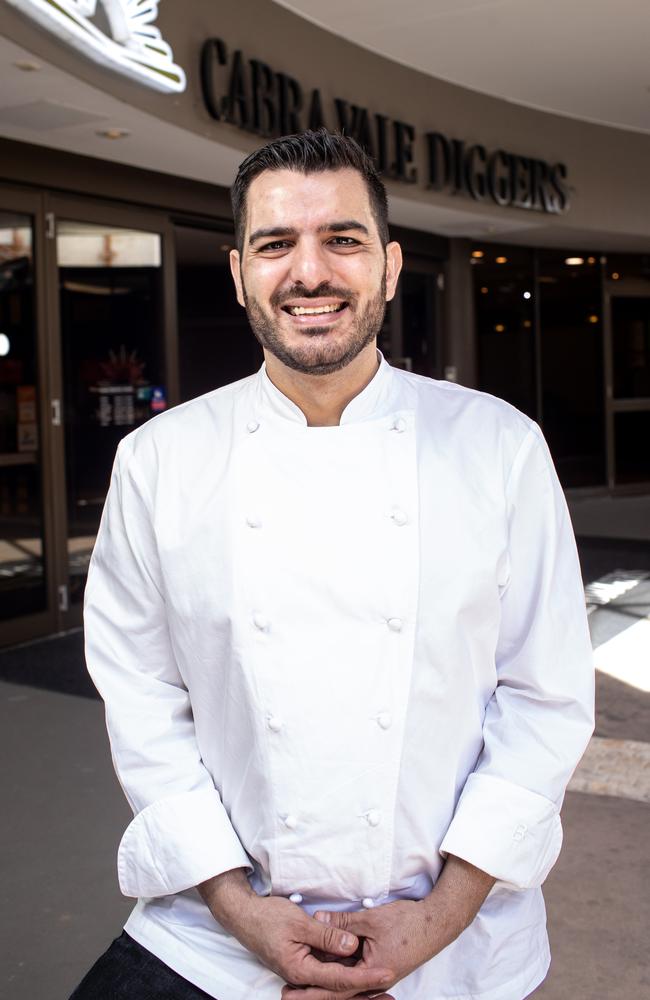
{"x": 344, "y": 226}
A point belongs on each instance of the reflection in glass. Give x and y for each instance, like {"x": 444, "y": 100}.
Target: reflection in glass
{"x": 215, "y": 343}
{"x": 572, "y": 364}
{"x": 631, "y": 437}
{"x": 419, "y": 292}
{"x": 631, "y": 346}
{"x": 504, "y": 308}
{"x": 110, "y": 294}
{"x": 22, "y": 581}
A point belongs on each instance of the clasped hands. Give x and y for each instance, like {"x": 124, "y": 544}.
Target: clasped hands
{"x": 333, "y": 955}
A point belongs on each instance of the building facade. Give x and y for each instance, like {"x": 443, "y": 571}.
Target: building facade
{"x": 526, "y": 238}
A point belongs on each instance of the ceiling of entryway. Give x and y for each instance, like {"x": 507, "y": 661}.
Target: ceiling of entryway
{"x": 587, "y": 59}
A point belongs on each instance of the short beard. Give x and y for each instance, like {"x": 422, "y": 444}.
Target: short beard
{"x": 325, "y": 358}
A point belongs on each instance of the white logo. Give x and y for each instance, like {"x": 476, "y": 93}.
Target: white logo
{"x": 132, "y": 45}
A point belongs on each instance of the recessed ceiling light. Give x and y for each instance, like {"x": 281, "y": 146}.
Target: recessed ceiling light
{"x": 574, "y": 261}
{"x": 477, "y": 254}
{"x": 5, "y": 345}
{"x": 526, "y": 295}
{"x": 28, "y": 66}
{"x": 499, "y": 327}
{"x": 113, "y": 133}
{"x": 501, "y": 260}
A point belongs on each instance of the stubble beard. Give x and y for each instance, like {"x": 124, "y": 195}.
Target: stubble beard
{"x": 317, "y": 355}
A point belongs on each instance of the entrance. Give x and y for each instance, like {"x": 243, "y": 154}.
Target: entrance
{"x": 87, "y": 353}
{"x": 627, "y": 376}
{"x": 27, "y": 575}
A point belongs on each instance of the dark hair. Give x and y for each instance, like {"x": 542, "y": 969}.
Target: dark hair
{"x": 309, "y": 153}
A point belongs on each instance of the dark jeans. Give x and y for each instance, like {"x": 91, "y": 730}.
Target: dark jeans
{"x": 127, "y": 971}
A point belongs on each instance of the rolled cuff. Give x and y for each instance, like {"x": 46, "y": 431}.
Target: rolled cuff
{"x": 177, "y": 843}
{"x": 511, "y": 833}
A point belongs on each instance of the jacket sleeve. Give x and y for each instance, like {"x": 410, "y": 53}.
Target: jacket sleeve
{"x": 540, "y": 717}
{"x": 181, "y": 833}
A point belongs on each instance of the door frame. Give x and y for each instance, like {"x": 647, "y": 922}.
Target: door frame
{"x": 622, "y": 288}
{"x": 26, "y": 627}
{"x": 100, "y": 212}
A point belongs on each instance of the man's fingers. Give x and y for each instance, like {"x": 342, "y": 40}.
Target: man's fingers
{"x": 354, "y": 922}
{"x": 341, "y": 978}
{"x": 315, "y": 993}
{"x": 328, "y": 938}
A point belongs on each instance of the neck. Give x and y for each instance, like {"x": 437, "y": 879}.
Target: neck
{"x": 322, "y": 398}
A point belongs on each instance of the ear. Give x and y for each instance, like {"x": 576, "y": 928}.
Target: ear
{"x": 235, "y": 270}
{"x": 393, "y": 268}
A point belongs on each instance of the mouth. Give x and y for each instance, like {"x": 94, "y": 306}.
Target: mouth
{"x": 315, "y": 312}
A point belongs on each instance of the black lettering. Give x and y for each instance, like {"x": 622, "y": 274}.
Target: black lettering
{"x": 537, "y": 168}
{"x": 262, "y": 88}
{"x": 404, "y": 137}
{"x": 457, "y": 162}
{"x": 346, "y": 115}
{"x": 382, "y": 143}
{"x": 498, "y": 178}
{"x": 316, "y": 118}
{"x": 237, "y": 103}
{"x": 289, "y": 104}
{"x": 363, "y": 133}
{"x": 475, "y": 175}
{"x": 520, "y": 181}
{"x": 558, "y": 177}
{"x": 439, "y": 160}
{"x": 213, "y": 53}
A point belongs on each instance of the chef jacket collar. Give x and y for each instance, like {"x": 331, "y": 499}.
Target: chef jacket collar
{"x": 372, "y": 401}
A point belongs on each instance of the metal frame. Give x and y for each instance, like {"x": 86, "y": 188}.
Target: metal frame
{"x": 27, "y": 627}
{"x": 106, "y": 213}
{"x": 623, "y": 288}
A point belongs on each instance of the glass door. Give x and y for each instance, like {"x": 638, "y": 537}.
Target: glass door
{"x": 117, "y": 358}
{"x": 628, "y": 384}
{"x": 27, "y": 593}
{"x": 410, "y": 337}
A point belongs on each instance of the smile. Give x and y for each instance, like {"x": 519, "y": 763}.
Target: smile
{"x": 315, "y": 310}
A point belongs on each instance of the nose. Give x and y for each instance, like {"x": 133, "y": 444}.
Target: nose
{"x": 310, "y": 265}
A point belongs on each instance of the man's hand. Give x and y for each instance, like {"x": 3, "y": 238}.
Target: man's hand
{"x": 283, "y": 937}
{"x": 406, "y": 934}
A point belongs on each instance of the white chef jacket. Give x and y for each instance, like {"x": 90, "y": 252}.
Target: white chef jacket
{"x": 332, "y": 655}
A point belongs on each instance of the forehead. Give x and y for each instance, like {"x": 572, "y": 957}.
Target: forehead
{"x": 307, "y": 201}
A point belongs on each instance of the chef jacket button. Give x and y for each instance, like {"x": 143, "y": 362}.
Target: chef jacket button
{"x": 373, "y": 816}
{"x": 274, "y": 724}
{"x": 368, "y": 903}
{"x": 253, "y": 522}
{"x": 290, "y": 821}
{"x": 399, "y": 425}
{"x": 395, "y": 624}
{"x": 384, "y": 720}
{"x": 295, "y": 897}
{"x": 252, "y": 426}
{"x": 260, "y": 621}
{"x": 399, "y": 517}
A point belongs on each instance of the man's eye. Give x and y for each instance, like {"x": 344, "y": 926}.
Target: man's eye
{"x": 345, "y": 241}
{"x": 276, "y": 245}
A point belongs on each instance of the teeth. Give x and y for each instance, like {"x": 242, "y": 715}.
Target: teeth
{"x": 315, "y": 311}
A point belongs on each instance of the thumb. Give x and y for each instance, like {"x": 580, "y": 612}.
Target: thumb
{"x": 328, "y": 937}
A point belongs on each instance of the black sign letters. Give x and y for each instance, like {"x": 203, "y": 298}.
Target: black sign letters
{"x": 251, "y": 96}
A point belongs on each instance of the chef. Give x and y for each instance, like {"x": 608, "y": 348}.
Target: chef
{"x": 335, "y": 613}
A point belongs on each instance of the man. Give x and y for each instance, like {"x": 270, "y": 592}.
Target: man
{"x": 335, "y": 613}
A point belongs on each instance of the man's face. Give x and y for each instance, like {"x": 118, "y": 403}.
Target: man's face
{"x": 313, "y": 275}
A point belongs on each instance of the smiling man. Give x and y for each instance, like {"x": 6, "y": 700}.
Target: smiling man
{"x": 335, "y": 613}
